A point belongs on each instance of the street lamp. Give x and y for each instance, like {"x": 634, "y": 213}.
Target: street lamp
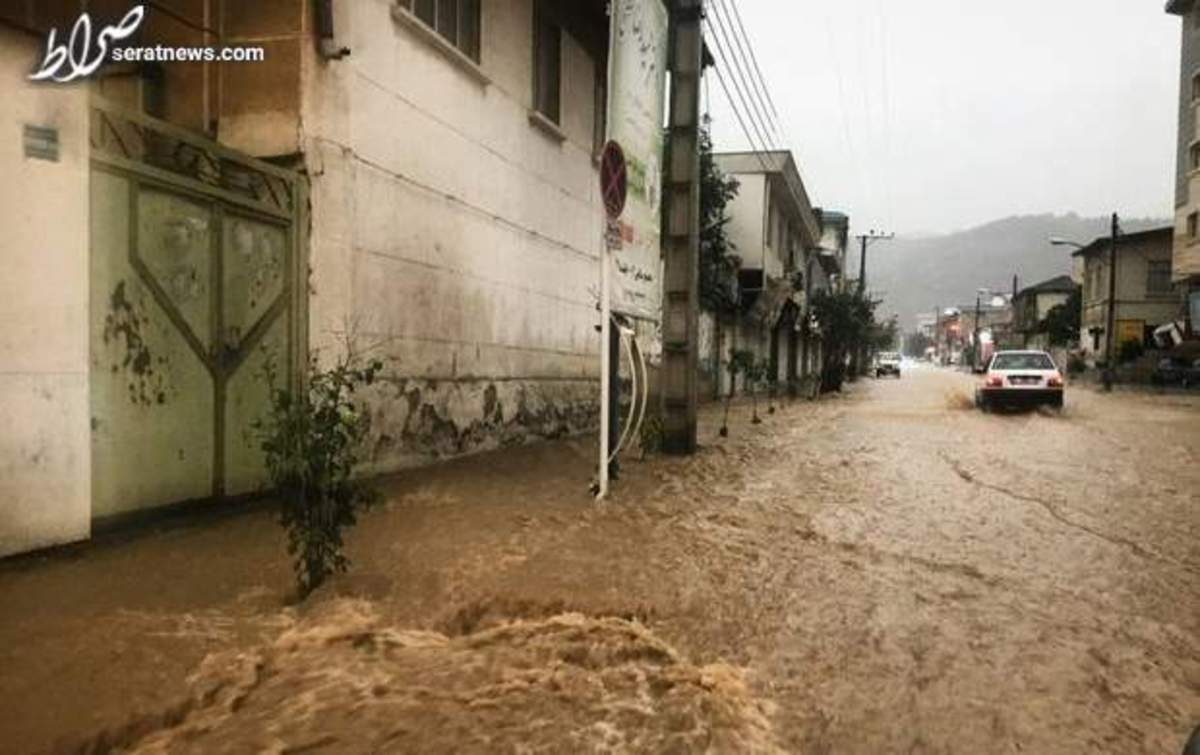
{"x": 979, "y": 294}
{"x": 1060, "y": 241}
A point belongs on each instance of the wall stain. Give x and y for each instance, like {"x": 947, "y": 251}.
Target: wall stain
{"x": 431, "y": 419}
{"x": 125, "y": 322}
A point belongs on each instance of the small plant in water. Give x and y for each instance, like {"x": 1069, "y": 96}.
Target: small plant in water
{"x": 311, "y": 437}
{"x": 740, "y": 362}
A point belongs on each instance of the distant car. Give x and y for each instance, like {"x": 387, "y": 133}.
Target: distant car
{"x": 887, "y": 363}
{"x": 1021, "y": 378}
{"x": 1176, "y": 371}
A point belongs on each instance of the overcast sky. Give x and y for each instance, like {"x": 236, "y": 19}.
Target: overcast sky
{"x": 938, "y": 115}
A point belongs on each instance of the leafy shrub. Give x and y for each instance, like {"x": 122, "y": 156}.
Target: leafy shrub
{"x": 1129, "y": 351}
{"x": 312, "y": 437}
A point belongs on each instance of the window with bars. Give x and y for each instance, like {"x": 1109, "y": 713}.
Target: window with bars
{"x": 456, "y": 21}
{"x": 547, "y": 65}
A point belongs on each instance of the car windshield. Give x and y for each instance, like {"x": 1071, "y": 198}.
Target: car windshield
{"x": 1022, "y": 362}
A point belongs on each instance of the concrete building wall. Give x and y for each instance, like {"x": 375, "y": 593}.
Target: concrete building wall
{"x": 45, "y": 476}
{"x": 1186, "y": 263}
{"x": 747, "y": 220}
{"x": 451, "y": 234}
{"x": 1134, "y": 303}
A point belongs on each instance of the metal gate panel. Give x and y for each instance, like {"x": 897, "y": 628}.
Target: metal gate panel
{"x": 194, "y": 268}
{"x": 151, "y": 395}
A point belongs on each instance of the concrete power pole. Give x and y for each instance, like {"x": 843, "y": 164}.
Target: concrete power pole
{"x": 858, "y": 365}
{"x": 1110, "y": 340}
{"x": 681, "y": 283}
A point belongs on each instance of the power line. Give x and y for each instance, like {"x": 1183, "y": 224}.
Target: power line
{"x": 761, "y": 140}
{"x": 737, "y": 14}
{"x": 741, "y": 121}
{"x": 755, "y": 87}
{"x": 744, "y": 92}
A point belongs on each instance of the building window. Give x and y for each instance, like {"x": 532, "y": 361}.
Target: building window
{"x": 1194, "y": 156}
{"x": 1193, "y": 225}
{"x": 1195, "y": 87}
{"x": 547, "y": 65}
{"x": 456, "y": 21}
{"x": 1158, "y": 277}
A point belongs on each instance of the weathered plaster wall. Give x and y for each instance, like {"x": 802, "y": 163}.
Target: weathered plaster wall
{"x": 451, "y": 236}
{"x": 747, "y": 220}
{"x": 44, "y": 448}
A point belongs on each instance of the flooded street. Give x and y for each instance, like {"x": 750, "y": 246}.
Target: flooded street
{"x": 884, "y": 571}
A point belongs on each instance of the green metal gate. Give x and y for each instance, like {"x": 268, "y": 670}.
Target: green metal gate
{"x": 195, "y": 288}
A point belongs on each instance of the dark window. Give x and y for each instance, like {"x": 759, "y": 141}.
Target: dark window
{"x": 456, "y": 21}
{"x": 1158, "y": 277}
{"x": 1193, "y": 226}
{"x": 1029, "y": 361}
{"x": 1196, "y": 87}
{"x": 600, "y": 122}
{"x": 547, "y": 65}
{"x": 1194, "y": 156}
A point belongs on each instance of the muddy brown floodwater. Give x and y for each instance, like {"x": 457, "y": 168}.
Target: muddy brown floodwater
{"x": 888, "y": 571}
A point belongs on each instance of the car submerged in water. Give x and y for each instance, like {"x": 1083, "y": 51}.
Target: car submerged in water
{"x": 1020, "y": 379}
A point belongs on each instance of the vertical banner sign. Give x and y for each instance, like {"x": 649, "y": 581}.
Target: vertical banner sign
{"x": 631, "y": 260}
{"x": 636, "y": 105}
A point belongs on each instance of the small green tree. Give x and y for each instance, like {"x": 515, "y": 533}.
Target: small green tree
{"x": 1061, "y": 324}
{"x": 312, "y": 437}
{"x": 756, "y": 379}
{"x": 741, "y": 362}
{"x": 717, "y": 260}
{"x": 844, "y": 321}
{"x": 1130, "y": 350}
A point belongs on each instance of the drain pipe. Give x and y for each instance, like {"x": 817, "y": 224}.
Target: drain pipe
{"x": 326, "y": 42}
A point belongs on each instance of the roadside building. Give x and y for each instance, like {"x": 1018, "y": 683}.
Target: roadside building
{"x": 1145, "y": 295}
{"x": 995, "y": 323}
{"x": 1185, "y": 265}
{"x": 1033, "y": 303}
{"x": 777, "y": 235}
{"x": 413, "y": 180}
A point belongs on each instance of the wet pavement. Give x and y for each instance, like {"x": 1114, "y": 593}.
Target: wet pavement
{"x": 885, "y": 571}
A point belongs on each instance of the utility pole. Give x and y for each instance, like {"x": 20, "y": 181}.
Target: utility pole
{"x": 975, "y": 339}
{"x": 681, "y": 279}
{"x": 860, "y": 354}
{"x": 1109, "y": 335}
{"x": 866, "y": 239}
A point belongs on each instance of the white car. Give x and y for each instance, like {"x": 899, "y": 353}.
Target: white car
{"x": 887, "y": 363}
{"x": 1021, "y": 378}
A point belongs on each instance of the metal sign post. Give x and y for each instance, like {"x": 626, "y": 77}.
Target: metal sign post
{"x": 613, "y": 185}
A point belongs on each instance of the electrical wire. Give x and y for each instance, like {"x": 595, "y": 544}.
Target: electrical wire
{"x": 748, "y": 109}
{"x": 750, "y": 61}
{"x": 732, "y": 48}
